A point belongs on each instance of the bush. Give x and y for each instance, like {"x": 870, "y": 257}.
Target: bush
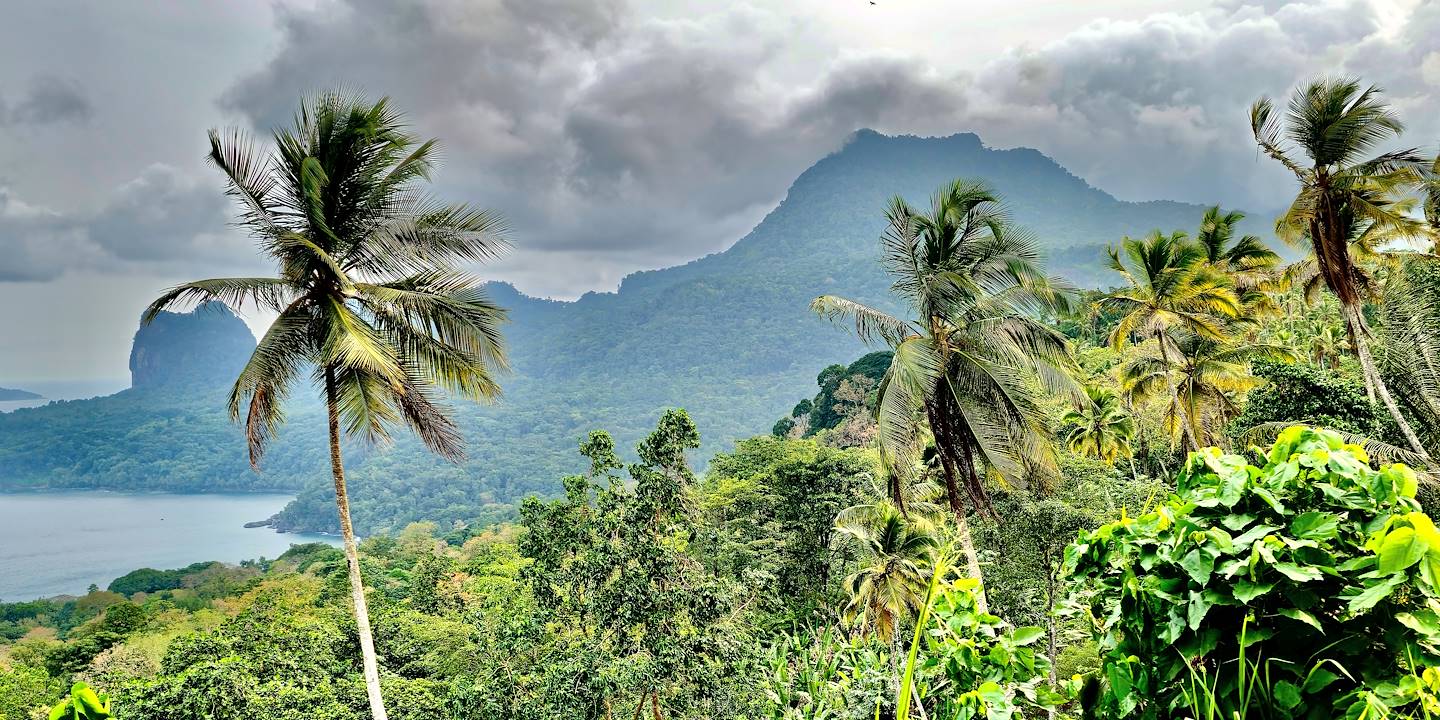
{"x": 1306, "y": 588}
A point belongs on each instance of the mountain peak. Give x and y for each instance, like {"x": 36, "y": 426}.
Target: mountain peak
{"x": 204, "y": 347}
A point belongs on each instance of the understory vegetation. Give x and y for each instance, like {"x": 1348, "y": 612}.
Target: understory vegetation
{"x": 1203, "y": 493}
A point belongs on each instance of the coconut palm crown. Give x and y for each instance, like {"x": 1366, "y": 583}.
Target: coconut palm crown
{"x": 368, "y": 295}
{"x": 1329, "y": 137}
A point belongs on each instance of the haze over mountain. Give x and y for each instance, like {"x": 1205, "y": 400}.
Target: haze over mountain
{"x": 728, "y": 336}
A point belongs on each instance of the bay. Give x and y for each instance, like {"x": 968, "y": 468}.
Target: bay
{"x": 55, "y": 543}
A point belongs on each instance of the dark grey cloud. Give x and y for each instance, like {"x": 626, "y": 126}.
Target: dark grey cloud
{"x": 601, "y": 133}
{"x": 615, "y": 142}
{"x": 594, "y": 130}
{"x": 48, "y": 99}
{"x": 160, "y": 222}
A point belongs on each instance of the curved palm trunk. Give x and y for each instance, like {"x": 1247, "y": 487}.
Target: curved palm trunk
{"x": 1356, "y": 327}
{"x": 352, "y": 556}
{"x": 1175, "y": 393}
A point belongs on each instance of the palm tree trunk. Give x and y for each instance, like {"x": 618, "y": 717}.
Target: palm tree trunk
{"x": 940, "y": 430}
{"x": 972, "y": 560}
{"x": 1175, "y": 392}
{"x": 1355, "y": 325}
{"x": 352, "y": 555}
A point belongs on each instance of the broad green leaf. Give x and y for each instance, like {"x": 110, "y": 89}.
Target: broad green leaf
{"x": 1373, "y": 594}
{"x": 1286, "y": 695}
{"x": 1319, "y": 679}
{"x": 1315, "y": 525}
{"x": 1424, "y": 622}
{"x": 1245, "y": 591}
{"x": 1298, "y": 573}
{"x": 1236, "y": 523}
{"x": 1302, "y": 616}
{"x": 1197, "y": 609}
{"x": 1199, "y": 565}
{"x": 1253, "y": 534}
{"x": 1269, "y": 499}
{"x": 1400, "y": 549}
{"x": 1026, "y": 635}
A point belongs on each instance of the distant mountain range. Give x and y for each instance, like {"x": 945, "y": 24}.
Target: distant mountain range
{"x": 12, "y": 394}
{"x": 728, "y": 336}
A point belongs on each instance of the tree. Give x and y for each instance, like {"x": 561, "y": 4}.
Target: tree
{"x": 1100, "y": 428}
{"x": 1201, "y": 380}
{"x": 971, "y": 364}
{"x": 1345, "y": 194}
{"x": 368, "y": 296}
{"x": 1247, "y": 261}
{"x": 898, "y": 555}
{"x": 612, "y": 565}
{"x": 1171, "y": 285}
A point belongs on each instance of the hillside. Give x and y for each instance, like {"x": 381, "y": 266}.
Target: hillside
{"x": 728, "y": 336}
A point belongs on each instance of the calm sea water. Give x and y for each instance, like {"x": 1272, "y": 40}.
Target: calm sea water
{"x": 61, "y": 542}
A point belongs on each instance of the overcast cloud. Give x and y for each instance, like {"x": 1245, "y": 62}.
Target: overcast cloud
{"x": 619, "y": 136}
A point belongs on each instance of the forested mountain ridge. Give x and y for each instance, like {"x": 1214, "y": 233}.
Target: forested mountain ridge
{"x": 728, "y": 336}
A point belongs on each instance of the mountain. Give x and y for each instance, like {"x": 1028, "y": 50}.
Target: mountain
{"x": 203, "y": 348}
{"x": 12, "y": 394}
{"x": 728, "y": 336}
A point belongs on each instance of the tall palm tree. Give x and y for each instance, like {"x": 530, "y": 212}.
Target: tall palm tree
{"x": 1100, "y": 427}
{"x": 1201, "y": 380}
{"x": 967, "y": 366}
{"x": 1344, "y": 190}
{"x": 1171, "y": 287}
{"x": 899, "y": 552}
{"x": 1247, "y": 261}
{"x": 368, "y": 297}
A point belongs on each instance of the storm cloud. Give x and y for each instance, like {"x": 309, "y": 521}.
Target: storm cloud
{"x": 619, "y": 135}
{"x": 47, "y": 99}
{"x": 605, "y": 134}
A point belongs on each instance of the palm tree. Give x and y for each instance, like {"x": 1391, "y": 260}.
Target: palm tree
{"x": 1326, "y": 346}
{"x": 967, "y": 365}
{"x": 899, "y": 552}
{"x": 1344, "y": 192}
{"x": 1171, "y": 286}
{"x": 1247, "y": 261}
{"x": 367, "y": 294}
{"x": 1201, "y": 380}
{"x": 1100, "y": 427}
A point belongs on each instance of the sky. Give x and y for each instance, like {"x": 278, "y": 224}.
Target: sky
{"x": 616, "y": 135}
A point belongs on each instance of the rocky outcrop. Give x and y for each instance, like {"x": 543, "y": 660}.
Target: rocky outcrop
{"x": 206, "y": 347}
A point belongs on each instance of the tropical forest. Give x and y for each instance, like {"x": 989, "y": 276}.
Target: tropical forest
{"x": 1065, "y": 456}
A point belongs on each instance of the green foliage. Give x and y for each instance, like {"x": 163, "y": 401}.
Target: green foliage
{"x": 967, "y": 664}
{"x": 150, "y": 580}
{"x": 768, "y": 510}
{"x": 648, "y": 620}
{"x": 976, "y": 666}
{"x": 25, "y": 691}
{"x": 83, "y": 704}
{"x": 1314, "y": 571}
{"x": 1298, "y": 392}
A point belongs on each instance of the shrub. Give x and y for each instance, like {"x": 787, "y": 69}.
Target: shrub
{"x": 1304, "y": 588}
